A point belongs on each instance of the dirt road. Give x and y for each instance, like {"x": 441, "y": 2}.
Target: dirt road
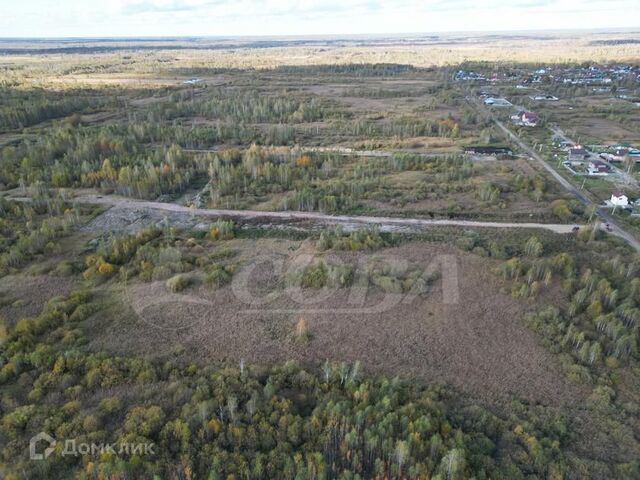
{"x": 386, "y": 223}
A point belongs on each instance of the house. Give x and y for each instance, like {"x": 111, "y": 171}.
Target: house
{"x": 598, "y": 167}
{"x": 619, "y": 199}
{"x": 524, "y": 118}
{"x": 578, "y": 153}
{"x": 464, "y": 75}
{"x": 497, "y": 102}
{"x": 546, "y": 97}
{"x": 619, "y": 153}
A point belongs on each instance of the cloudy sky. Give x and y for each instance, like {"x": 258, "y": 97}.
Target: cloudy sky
{"x": 94, "y": 18}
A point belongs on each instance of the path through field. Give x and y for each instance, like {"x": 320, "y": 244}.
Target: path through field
{"x": 384, "y": 223}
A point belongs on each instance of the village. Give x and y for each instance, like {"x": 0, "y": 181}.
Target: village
{"x": 532, "y": 102}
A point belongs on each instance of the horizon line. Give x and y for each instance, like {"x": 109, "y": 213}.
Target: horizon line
{"x": 325, "y": 35}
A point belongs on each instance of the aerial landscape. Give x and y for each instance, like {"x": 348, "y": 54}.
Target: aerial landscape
{"x": 321, "y": 256}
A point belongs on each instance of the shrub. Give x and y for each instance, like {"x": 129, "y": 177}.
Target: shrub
{"x": 488, "y": 193}
{"x": 222, "y": 230}
{"x": 560, "y": 209}
{"x": 315, "y": 276}
{"x": 219, "y": 276}
{"x": 361, "y": 239}
{"x": 65, "y": 268}
{"x": 161, "y": 272}
{"x": 178, "y": 283}
{"x": 466, "y": 243}
{"x": 533, "y": 247}
{"x": 321, "y": 274}
{"x": 106, "y": 269}
{"x": 397, "y": 277}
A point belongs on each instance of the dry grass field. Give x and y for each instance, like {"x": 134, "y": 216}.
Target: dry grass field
{"x": 477, "y": 342}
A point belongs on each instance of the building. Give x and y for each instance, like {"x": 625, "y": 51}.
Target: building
{"x": 619, "y": 199}
{"x": 464, "y": 75}
{"x": 497, "y": 102}
{"x": 620, "y": 153}
{"x": 578, "y": 153}
{"x": 545, "y": 97}
{"x": 527, "y": 119}
{"x": 487, "y": 150}
{"x": 598, "y": 167}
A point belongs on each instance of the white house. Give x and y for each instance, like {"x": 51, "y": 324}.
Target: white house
{"x": 619, "y": 199}
{"x": 527, "y": 119}
{"x": 546, "y": 97}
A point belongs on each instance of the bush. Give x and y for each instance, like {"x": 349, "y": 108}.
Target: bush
{"x": 219, "y": 276}
{"x": 361, "y": 239}
{"x": 178, "y": 283}
{"x": 65, "y": 268}
{"x": 560, "y": 209}
{"x": 320, "y": 275}
{"x": 397, "y": 277}
{"x": 222, "y": 230}
{"x": 161, "y": 272}
{"x": 533, "y": 247}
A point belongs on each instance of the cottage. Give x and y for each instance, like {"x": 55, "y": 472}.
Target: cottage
{"x": 578, "y": 153}
{"x": 598, "y": 167}
{"x": 619, "y": 199}
{"x": 619, "y": 154}
{"x": 527, "y": 119}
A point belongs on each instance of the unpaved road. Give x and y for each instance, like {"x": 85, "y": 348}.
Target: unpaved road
{"x": 387, "y": 223}
{"x": 337, "y": 150}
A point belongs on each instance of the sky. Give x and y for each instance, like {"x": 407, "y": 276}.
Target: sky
{"x": 136, "y": 18}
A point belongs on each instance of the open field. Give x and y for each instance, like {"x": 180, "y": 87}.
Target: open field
{"x": 474, "y": 343}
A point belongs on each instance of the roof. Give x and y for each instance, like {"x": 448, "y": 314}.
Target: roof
{"x": 618, "y": 194}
